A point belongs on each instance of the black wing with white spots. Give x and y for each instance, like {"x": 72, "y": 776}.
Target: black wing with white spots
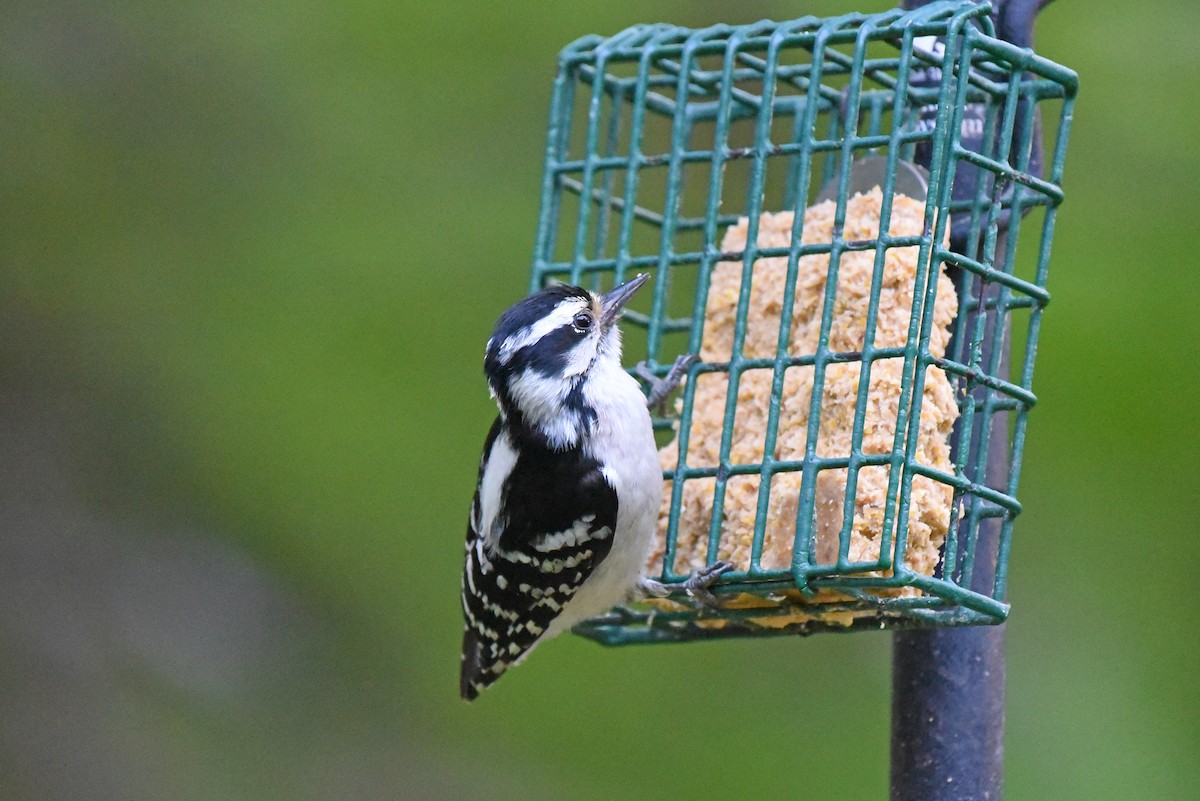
{"x": 552, "y": 524}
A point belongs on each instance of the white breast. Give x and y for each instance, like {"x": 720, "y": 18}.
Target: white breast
{"x": 623, "y": 442}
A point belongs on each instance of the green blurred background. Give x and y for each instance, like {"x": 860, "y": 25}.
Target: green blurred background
{"x": 249, "y": 256}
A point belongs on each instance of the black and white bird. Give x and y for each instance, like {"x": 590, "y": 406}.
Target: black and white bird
{"x": 569, "y": 488}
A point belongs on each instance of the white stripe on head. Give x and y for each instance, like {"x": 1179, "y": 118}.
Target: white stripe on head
{"x": 562, "y": 315}
{"x": 580, "y": 357}
{"x": 541, "y": 399}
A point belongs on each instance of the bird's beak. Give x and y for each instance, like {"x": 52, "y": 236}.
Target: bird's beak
{"x": 614, "y": 301}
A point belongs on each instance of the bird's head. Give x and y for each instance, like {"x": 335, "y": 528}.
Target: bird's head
{"x": 543, "y": 351}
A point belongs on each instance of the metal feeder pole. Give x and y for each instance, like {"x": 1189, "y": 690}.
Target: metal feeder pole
{"x": 948, "y": 684}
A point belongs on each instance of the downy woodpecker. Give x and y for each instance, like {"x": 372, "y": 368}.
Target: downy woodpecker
{"x": 569, "y": 488}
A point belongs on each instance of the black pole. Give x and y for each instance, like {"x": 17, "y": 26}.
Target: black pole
{"x": 948, "y": 684}
{"x": 948, "y": 715}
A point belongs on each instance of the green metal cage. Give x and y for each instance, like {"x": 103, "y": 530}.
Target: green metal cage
{"x": 661, "y": 138}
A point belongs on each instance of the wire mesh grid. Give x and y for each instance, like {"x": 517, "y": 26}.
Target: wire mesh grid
{"x": 662, "y": 140}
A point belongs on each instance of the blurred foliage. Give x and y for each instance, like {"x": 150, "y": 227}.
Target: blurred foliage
{"x": 252, "y": 251}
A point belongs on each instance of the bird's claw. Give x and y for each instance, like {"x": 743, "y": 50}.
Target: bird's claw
{"x": 699, "y": 582}
{"x": 660, "y": 388}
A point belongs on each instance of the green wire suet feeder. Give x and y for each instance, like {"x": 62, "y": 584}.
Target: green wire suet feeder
{"x": 667, "y": 144}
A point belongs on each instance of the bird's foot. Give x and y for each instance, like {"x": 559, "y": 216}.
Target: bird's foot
{"x": 660, "y": 388}
{"x": 697, "y": 584}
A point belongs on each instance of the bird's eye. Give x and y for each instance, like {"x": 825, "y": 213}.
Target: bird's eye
{"x": 582, "y": 321}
